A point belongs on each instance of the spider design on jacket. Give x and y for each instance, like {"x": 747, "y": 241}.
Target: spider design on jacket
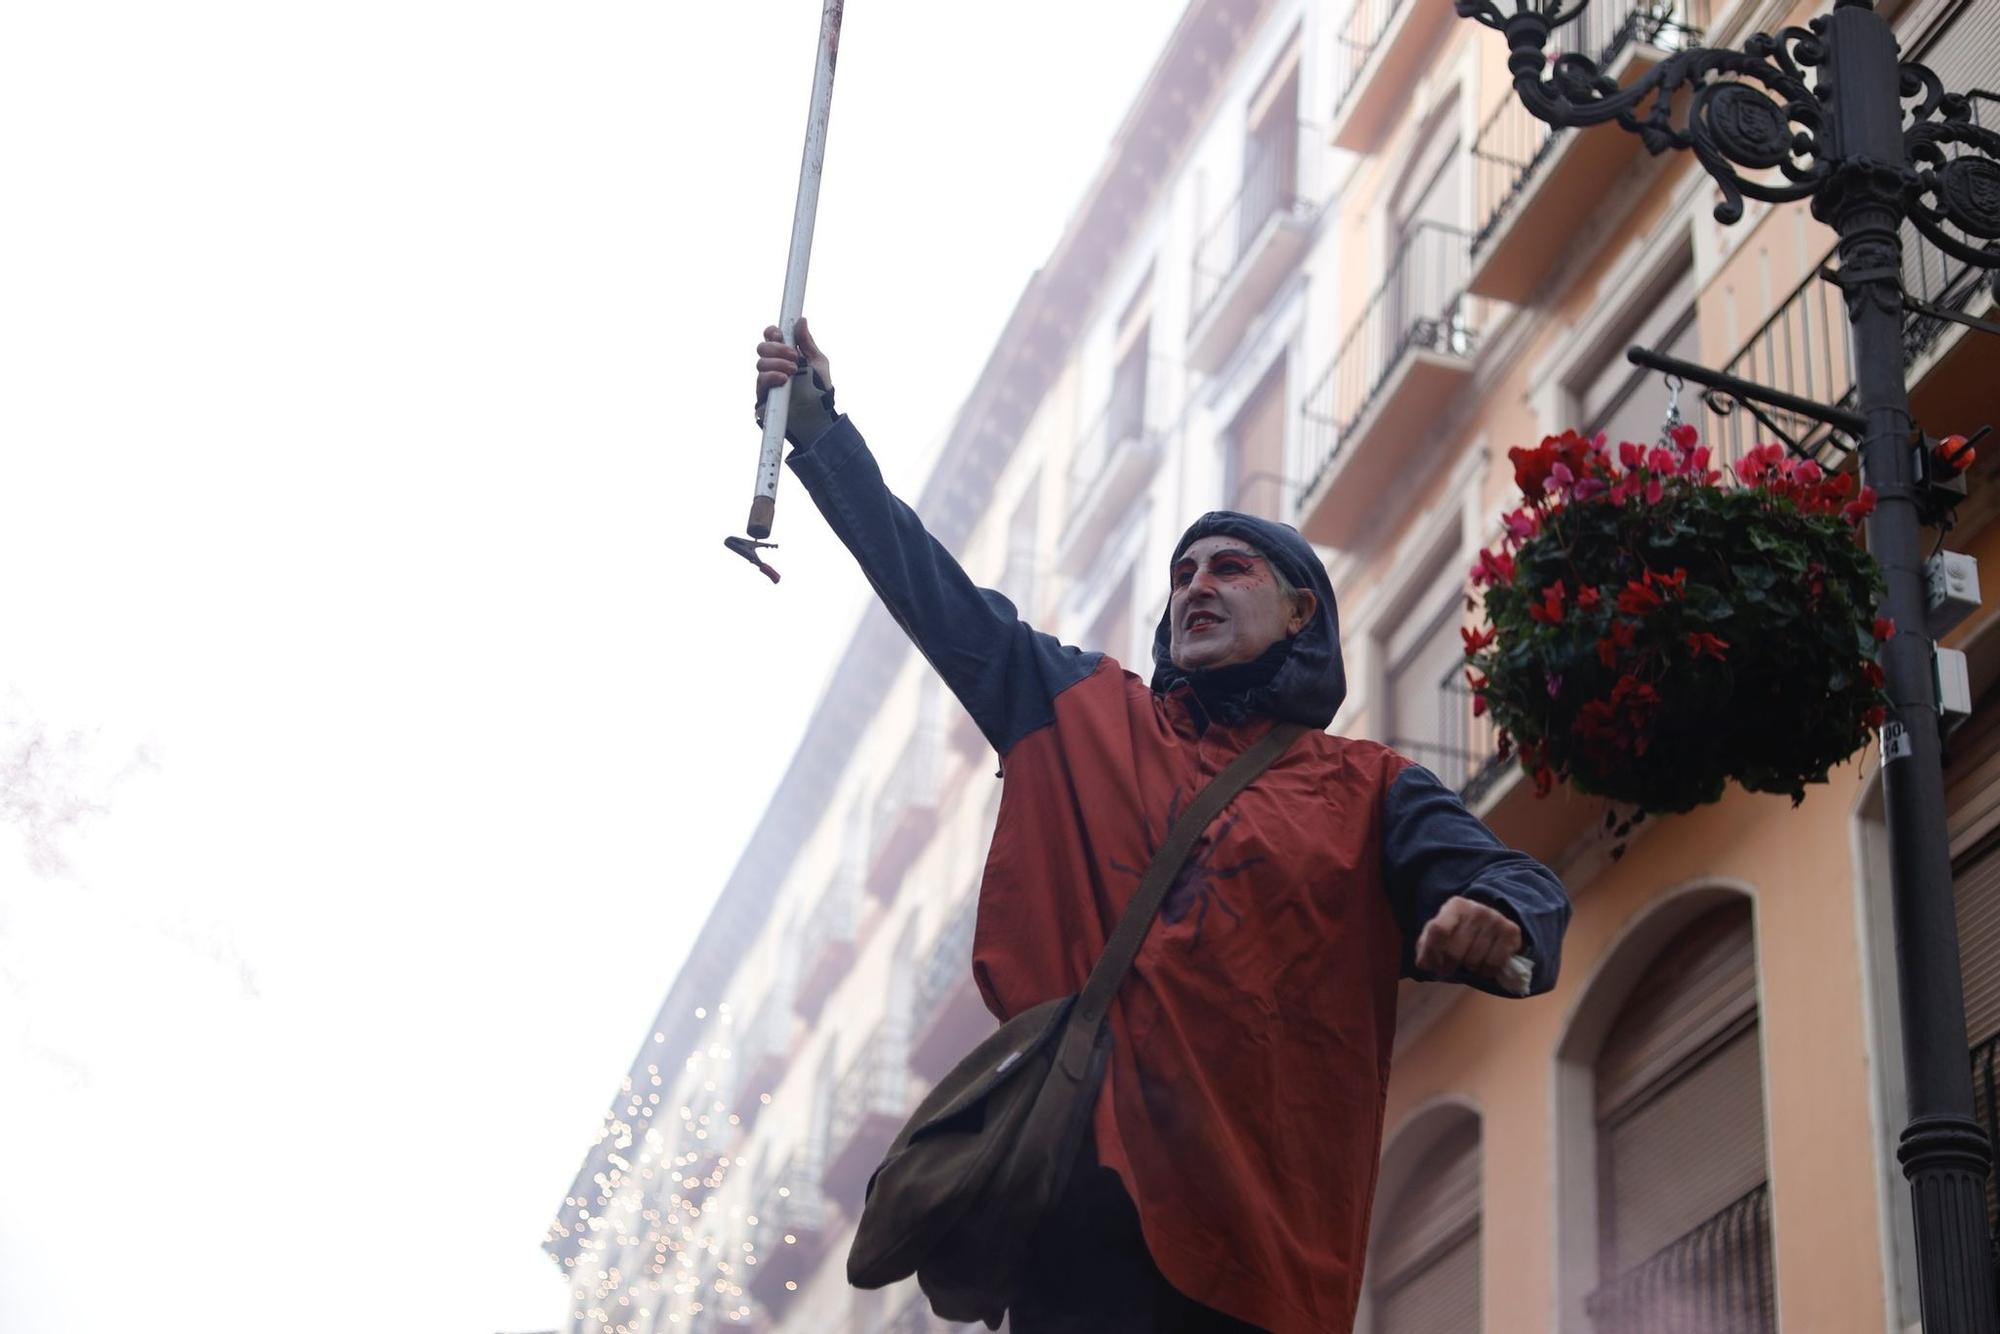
{"x": 1198, "y": 880}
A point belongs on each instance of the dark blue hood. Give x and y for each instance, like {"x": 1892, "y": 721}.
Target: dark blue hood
{"x": 1301, "y": 679}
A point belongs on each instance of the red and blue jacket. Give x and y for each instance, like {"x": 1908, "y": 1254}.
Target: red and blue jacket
{"x": 1250, "y": 1059}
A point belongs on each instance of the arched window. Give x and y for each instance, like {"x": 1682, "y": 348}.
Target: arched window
{"x": 1425, "y": 1256}
{"x": 1683, "y": 1212}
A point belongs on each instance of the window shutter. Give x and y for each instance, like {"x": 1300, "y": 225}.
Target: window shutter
{"x": 1680, "y": 1100}
{"x": 1682, "y": 1156}
{"x": 1441, "y": 1298}
{"x": 1976, "y": 895}
{"x": 1697, "y": 992}
{"x": 1425, "y": 1256}
{"x": 1256, "y": 460}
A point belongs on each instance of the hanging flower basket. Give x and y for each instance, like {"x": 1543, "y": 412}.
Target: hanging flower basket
{"x": 1652, "y": 634}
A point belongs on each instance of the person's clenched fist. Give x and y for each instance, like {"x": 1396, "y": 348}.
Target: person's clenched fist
{"x": 1467, "y": 937}
{"x": 780, "y": 363}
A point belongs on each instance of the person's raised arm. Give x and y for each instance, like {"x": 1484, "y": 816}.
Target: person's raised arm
{"x": 1002, "y": 670}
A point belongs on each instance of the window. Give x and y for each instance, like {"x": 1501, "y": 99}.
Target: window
{"x": 1017, "y": 580}
{"x": 1425, "y": 1256}
{"x": 1127, "y": 413}
{"x": 1683, "y": 1216}
{"x": 1270, "y": 152}
{"x": 1428, "y": 249}
{"x": 1627, "y": 402}
{"x": 1425, "y": 659}
{"x": 1253, "y": 473}
{"x": 1111, "y": 629}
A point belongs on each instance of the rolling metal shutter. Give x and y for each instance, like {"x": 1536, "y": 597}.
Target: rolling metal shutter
{"x": 1680, "y": 1100}
{"x": 1441, "y": 1298}
{"x": 1426, "y": 1255}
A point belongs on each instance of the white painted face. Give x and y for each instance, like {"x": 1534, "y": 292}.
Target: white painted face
{"x": 1226, "y": 607}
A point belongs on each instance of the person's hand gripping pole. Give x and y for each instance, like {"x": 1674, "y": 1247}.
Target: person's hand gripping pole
{"x": 763, "y": 508}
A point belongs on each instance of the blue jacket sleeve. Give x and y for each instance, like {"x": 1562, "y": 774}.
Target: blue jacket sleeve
{"x": 1006, "y": 673}
{"x": 1433, "y": 849}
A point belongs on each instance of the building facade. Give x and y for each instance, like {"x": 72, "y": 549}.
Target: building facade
{"x": 1330, "y": 272}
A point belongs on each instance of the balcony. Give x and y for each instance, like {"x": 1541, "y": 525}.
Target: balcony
{"x": 1396, "y": 370}
{"x": 906, "y": 809}
{"x": 827, "y": 943}
{"x": 1803, "y": 350}
{"x": 1379, "y": 52}
{"x": 1527, "y": 178}
{"x": 1114, "y": 458}
{"x": 950, "y": 1018}
{"x": 1717, "y": 1279}
{"x": 763, "y": 1050}
{"x": 869, "y": 1105}
{"x": 791, "y": 1231}
{"x": 1248, "y": 250}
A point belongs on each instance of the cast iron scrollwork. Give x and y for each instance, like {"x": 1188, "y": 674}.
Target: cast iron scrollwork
{"x": 1744, "y": 111}
{"x": 1949, "y": 189}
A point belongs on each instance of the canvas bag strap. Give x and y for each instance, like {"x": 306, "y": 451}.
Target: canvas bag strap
{"x": 1119, "y": 951}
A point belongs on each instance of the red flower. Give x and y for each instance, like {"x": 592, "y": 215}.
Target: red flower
{"x": 1631, "y": 455}
{"x": 1875, "y": 716}
{"x": 1683, "y": 436}
{"x": 1550, "y": 610}
{"x": 1588, "y": 597}
{"x": 1638, "y": 599}
{"x": 1476, "y": 640}
{"x": 1622, "y": 635}
{"x": 1700, "y": 642}
{"x": 1478, "y": 706}
{"x": 1860, "y": 507}
{"x": 1532, "y": 467}
{"x": 1885, "y": 627}
{"x": 1495, "y": 569}
{"x": 1677, "y": 581}
{"x": 1872, "y": 673}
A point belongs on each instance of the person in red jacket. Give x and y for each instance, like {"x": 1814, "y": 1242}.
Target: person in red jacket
{"x": 1227, "y": 1179}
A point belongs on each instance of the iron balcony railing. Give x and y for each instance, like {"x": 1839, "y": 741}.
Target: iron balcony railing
{"x": 906, "y": 808}
{"x": 950, "y": 958}
{"x": 1270, "y": 188}
{"x": 790, "y": 1203}
{"x": 1421, "y": 304}
{"x": 876, "y": 1083}
{"x": 834, "y": 918}
{"x": 1716, "y": 1279}
{"x": 1134, "y": 414}
{"x": 1463, "y": 748}
{"x": 1513, "y": 145}
{"x": 1803, "y": 349}
{"x": 1355, "y": 40}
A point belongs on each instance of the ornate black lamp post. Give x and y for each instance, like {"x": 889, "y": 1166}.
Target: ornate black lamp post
{"x": 1870, "y": 141}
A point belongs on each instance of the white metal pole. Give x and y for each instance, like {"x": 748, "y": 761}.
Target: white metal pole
{"x": 776, "y": 401}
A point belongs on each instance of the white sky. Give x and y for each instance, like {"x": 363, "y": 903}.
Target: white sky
{"x": 374, "y": 396}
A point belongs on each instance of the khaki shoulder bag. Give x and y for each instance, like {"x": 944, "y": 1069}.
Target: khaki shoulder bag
{"x": 969, "y": 1178}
